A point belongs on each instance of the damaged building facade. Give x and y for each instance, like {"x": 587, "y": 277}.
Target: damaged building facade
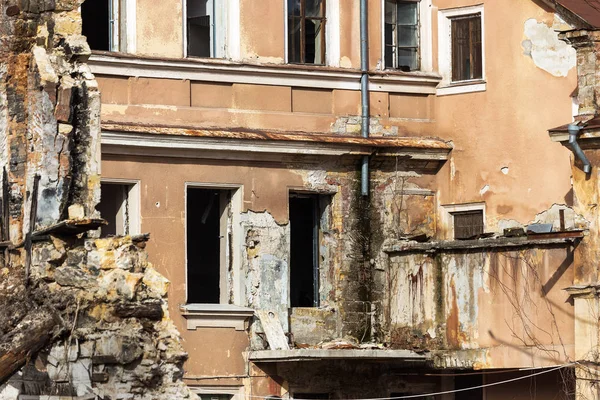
{"x": 335, "y": 220}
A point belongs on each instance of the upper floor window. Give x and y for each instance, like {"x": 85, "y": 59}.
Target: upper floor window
{"x": 401, "y": 34}
{"x": 306, "y": 31}
{"x": 205, "y": 28}
{"x": 466, "y": 48}
{"x": 109, "y": 25}
{"x": 461, "y": 50}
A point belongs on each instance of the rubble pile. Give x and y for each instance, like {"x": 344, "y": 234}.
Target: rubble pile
{"x": 116, "y": 339}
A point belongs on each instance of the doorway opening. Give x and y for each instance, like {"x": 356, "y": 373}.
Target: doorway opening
{"x": 306, "y": 212}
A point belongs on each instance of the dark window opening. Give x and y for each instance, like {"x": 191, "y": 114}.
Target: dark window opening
{"x": 114, "y": 208}
{"x": 200, "y": 20}
{"x": 95, "y": 15}
{"x": 306, "y": 212}
{"x": 206, "y": 226}
{"x": 468, "y": 224}
{"x": 306, "y": 31}
{"x": 401, "y": 33}
{"x": 469, "y": 381}
{"x": 467, "y": 61}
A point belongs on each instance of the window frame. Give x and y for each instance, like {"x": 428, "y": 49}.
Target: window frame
{"x": 232, "y": 251}
{"x": 122, "y": 26}
{"x": 224, "y": 34}
{"x": 448, "y": 86}
{"x": 447, "y": 216}
{"x": 395, "y": 44}
{"x": 134, "y": 202}
{"x": 425, "y": 44}
{"x": 326, "y": 37}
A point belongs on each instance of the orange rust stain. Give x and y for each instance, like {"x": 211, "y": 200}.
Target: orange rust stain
{"x": 408, "y": 142}
{"x": 453, "y": 334}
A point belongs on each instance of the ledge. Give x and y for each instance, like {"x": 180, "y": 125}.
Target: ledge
{"x": 216, "y": 316}
{"x": 322, "y": 354}
{"x": 398, "y": 246}
{"x": 462, "y": 88}
{"x": 227, "y": 144}
{"x": 216, "y": 70}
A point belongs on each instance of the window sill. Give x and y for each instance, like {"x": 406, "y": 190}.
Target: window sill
{"x": 216, "y": 316}
{"x": 462, "y": 87}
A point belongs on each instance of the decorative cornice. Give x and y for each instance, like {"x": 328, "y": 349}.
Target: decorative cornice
{"x": 118, "y": 64}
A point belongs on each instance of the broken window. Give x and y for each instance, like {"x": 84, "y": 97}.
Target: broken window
{"x": 468, "y": 224}
{"x": 401, "y": 32}
{"x": 119, "y": 206}
{"x": 207, "y": 226}
{"x": 104, "y": 24}
{"x": 205, "y": 28}
{"x": 467, "y": 61}
{"x": 306, "y": 215}
{"x": 306, "y": 31}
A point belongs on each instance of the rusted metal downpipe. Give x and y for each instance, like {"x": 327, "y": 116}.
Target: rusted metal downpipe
{"x": 364, "y": 91}
{"x": 573, "y": 132}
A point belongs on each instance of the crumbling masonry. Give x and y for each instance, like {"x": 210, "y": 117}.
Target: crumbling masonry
{"x": 80, "y": 316}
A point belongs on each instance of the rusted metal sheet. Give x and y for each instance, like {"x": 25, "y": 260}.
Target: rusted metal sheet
{"x": 379, "y": 142}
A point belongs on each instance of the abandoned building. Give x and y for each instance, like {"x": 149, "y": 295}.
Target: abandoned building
{"x": 349, "y": 199}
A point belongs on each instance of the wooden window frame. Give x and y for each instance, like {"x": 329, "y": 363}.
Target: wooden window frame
{"x": 475, "y": 229}
{"x": 449, "y": 210}
{"x": 447, "y": 85}
{"x": 302, "y": 17}
{"x": 395, "y": 41}
{"x": 474, "y": 70}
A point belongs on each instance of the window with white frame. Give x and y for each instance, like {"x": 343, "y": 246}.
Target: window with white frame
{"x": 464, "y": 221}
{"x": 461, "y": 47}
{"x": 401, "y": 35}
{"x": 119, "y": 206}
{"x": 109, "y": 25}
{"x": 306, "y": 20}
{"x": 205, "y": 28}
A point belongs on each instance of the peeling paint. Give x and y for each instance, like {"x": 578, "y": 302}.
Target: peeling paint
{"x": 546, "y": 50}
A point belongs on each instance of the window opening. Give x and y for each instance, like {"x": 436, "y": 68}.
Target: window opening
{"x": 466, "y": 47}
{"x": 306, "y": 31}
{"x": 201, "y": 28}
{"x": 468, "y": 224}
{"x": 207, "y": 219}
{"x": 116, "y": 208}
{"x": 305, "y": 231}
{"x": 402, "y": 35}
{"x": 103, "y": 24}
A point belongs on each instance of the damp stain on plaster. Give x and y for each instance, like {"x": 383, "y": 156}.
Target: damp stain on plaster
{"x": 546, "y": 50}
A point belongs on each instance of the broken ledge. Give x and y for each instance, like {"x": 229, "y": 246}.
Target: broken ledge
{"x": 216, "y": 316}
{"x": 399, "y": 246}
{"x": 342, "y": 354}
{"x": 190, "y": 141}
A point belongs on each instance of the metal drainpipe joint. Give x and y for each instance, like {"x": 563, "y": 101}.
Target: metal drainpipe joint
{"x": 573, "y": 133}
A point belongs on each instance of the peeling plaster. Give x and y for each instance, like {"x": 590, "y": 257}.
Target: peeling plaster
{"x": 484, "y": 190}
{"x": 547, "y": 51}
{"x": 504, "y": 170}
